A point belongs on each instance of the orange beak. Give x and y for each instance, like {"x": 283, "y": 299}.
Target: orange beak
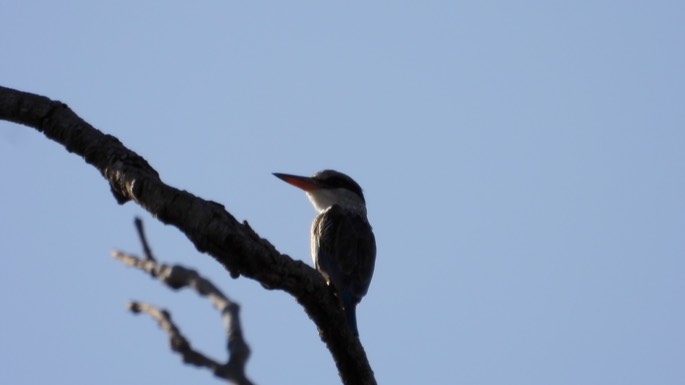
{"x": 304, "y": 182}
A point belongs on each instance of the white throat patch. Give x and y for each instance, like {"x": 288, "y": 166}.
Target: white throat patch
{"x": 325, "y": 198}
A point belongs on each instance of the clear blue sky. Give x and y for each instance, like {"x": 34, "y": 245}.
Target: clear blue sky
{"x": 523, "y": 163}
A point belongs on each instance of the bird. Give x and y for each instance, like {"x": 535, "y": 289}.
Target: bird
{"x": 343, "y": 246}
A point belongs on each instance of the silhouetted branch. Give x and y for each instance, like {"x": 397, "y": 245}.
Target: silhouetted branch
{"x": 177, "y": 277}
{"x": 207, "y": 224}
{"x": 143, "y": 239}
{"x": 177, "y": 341}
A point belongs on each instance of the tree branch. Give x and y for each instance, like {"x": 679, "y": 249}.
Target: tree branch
{"x": 181, "y": 345}
{"x": 143, "y": 239}
{"x": 207, "y": 224}
{"x": 176, "y": 277}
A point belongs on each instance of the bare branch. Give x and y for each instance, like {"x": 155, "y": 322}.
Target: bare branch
{"x": 207, "y": 224}
{"x": 177, "y": 277}
{"x": 177, "y": 341}
{"x": 143, "y": 239}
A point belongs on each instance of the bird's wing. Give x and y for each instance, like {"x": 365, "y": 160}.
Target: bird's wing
{"x": 346, "y": 250}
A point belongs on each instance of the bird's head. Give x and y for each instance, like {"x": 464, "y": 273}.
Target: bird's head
{"x": 327, "y": 188}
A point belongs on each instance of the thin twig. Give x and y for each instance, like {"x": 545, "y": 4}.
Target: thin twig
{"x": 177, "y": 277}
{"x": 177, "y": 341}
{"x": 143, "y": 239}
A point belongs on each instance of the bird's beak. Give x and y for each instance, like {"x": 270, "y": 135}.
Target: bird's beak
{"x": 304, "y": 182}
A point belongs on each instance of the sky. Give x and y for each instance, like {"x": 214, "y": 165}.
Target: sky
{"x": 522, "y": 163}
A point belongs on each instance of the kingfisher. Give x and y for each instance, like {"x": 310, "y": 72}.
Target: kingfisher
{"x": 343, "y": 246}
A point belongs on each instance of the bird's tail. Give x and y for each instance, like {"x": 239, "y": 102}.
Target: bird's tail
{"x": 350, "y": 307}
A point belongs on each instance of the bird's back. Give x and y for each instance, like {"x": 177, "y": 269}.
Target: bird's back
{"x": 344, "y": 250}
